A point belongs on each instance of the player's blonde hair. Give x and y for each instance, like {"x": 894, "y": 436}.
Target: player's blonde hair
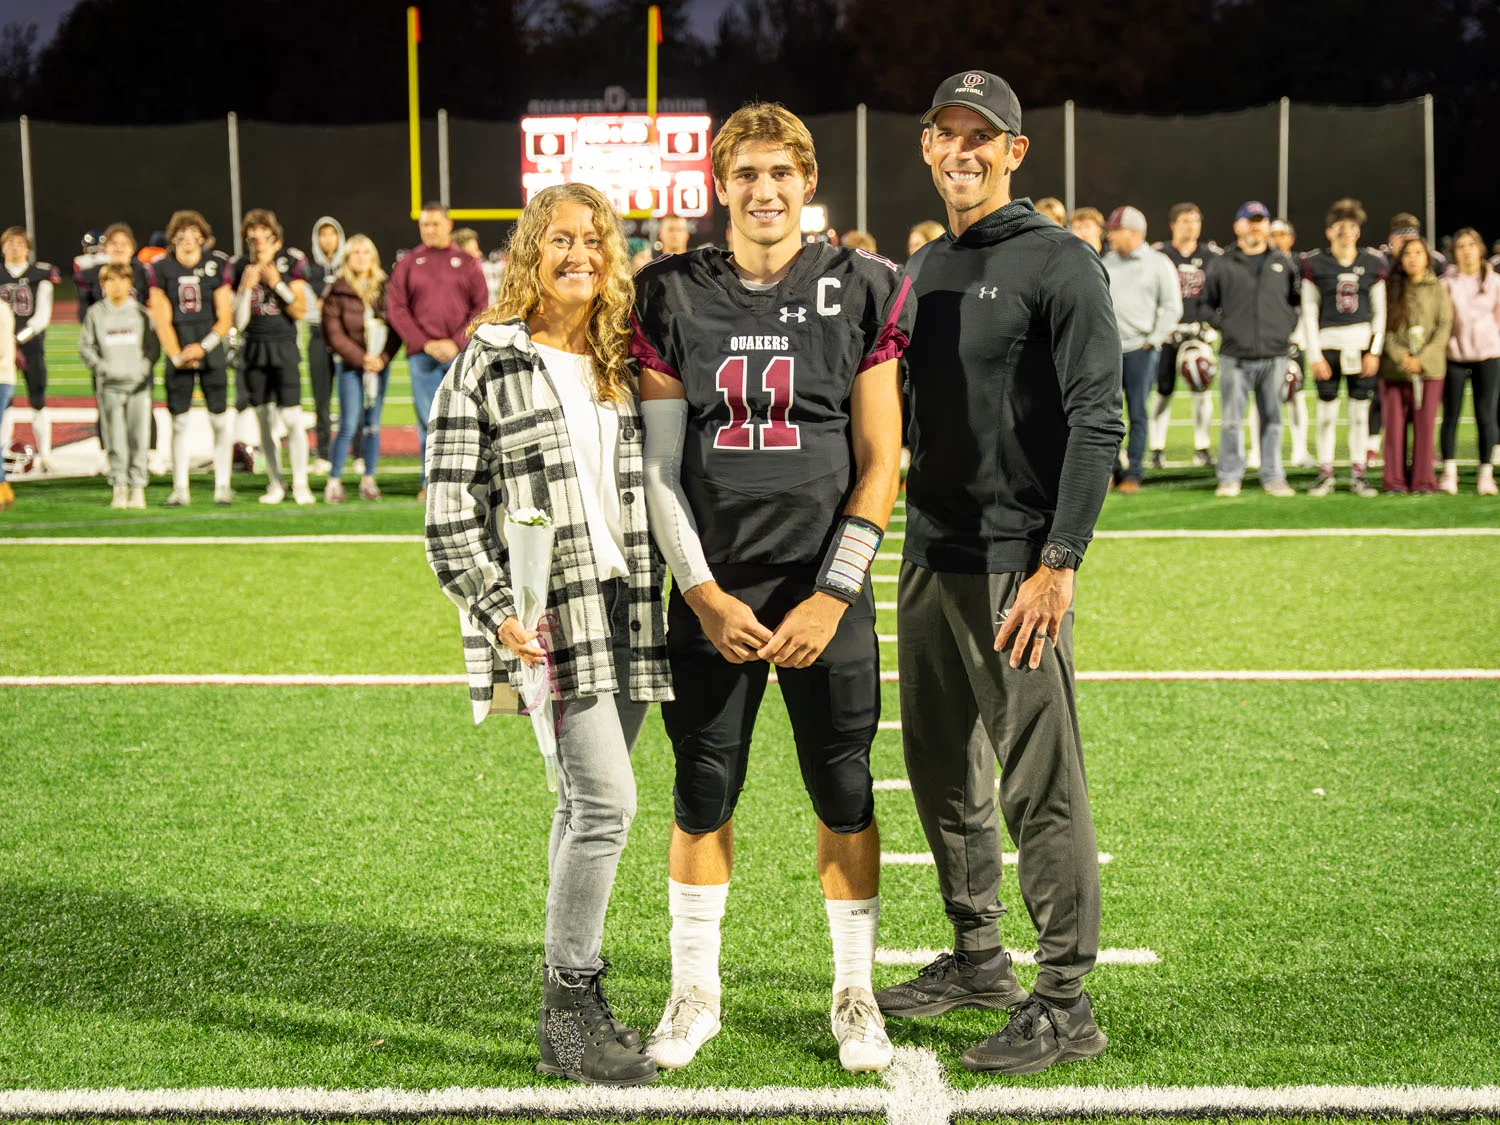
{"x": 369, "y": 286}
{"x": 769, "y": 122}
{"x": 609, "y": 317}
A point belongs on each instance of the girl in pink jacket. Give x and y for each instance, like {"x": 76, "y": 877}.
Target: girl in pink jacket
{"x": 1473, "y": 356}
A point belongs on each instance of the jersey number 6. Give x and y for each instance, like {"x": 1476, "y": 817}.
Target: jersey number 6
{"x": 779, "y": 381}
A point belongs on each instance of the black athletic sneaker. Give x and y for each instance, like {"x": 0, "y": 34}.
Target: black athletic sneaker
{"x": 1202, "y": 459}
{"x": 953, "y": 982}
{"x": 1158, "y": 459}
{"x": 1037, "y": 1036}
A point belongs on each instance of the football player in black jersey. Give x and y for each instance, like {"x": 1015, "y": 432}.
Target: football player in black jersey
{"x": 772, "y": 409}
{"x": 26, "y": 286}
{"x": 192, "y": 307}
{"x": 1343, "y": 328}
{"x": 270, "y": 297}
{"x": 1192, "y": 257}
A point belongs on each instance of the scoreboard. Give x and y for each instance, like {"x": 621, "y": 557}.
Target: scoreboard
{"x": 669, "y": 174}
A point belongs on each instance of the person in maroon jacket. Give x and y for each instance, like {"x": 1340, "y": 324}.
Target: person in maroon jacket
{"x": 436, "y": 290}
{"x": 354, "y": 324}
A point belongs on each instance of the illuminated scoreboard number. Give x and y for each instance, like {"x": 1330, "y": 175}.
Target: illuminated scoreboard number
{"x": 616, "y": 154}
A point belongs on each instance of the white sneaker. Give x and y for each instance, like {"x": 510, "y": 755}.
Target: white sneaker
{"x": 1228, "y": 488}
{"x": 304, "y": 496}
{"x": 320, "y": 467}
{"x": 691, "y": 1020}
{"x": 224, "y": 496}
{"x": 178, "y": 499}
{"x": 156, "y": 466}
{"x": 860, "y": 1029}
{"x": 274, "y": 494}
{"x": 137, "y": 499}
{"x": 120, "y": 497}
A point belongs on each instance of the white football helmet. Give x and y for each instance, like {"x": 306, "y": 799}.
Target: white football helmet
{"x": 1197, "y": 365}
{"x": 19, "y": 458}
{"x": 1291, "y": 386}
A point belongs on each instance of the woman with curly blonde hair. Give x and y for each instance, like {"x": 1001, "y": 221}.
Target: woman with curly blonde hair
{"x": 541, "y": 411}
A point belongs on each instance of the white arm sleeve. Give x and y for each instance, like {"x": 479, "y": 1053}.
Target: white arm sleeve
{"x": 41, "y": 317}
{"x": 242, "y": 309}
{"x": 1377, "y": 315}
{"x": 672, "y": 524}
{"x": 1312, "y": 304}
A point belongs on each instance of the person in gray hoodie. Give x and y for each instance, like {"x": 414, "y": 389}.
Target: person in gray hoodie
{"x": 323, "y": 265}
{"x": 118, "y": 345}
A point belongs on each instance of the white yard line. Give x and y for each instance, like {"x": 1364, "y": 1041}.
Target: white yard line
{"x": 893, "y": 783}
{"x": 1018, "y": 956}
{"x": 890, "y": 724}
{"x": 924, "y": 859}
{"x": 205, "y": 540}
{"x": 235, "y": 680}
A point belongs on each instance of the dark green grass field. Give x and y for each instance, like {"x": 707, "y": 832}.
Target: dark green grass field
{"x": 344, "y": 887}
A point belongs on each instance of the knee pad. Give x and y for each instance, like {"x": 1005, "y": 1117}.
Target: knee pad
{"x": 708, "y": 787}
{"x": 841, "y": 791}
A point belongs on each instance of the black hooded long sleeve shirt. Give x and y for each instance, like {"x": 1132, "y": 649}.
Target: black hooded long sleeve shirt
{"x": 1014, "y": 368}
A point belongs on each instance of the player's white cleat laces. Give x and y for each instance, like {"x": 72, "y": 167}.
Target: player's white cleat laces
{"x": 691, "y": 1020}
{"x": 860, "y": 1029}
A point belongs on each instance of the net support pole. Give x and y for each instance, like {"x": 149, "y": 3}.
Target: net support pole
{"x": 1283, "y": 158}
{"x": 1070, "y": 161}
{"x": 413, "y": 111}
{"x": 861, "y": 167}
{"x": 443, "y": 186}
{"x": 1429, "y": 186}
{"x": 28, "y": 195}
{"x": 236, "y": 202}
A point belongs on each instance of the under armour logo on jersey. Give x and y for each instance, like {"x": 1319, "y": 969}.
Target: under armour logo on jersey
{"x": 989, "y": 292}
{"x": 789, "y": 314}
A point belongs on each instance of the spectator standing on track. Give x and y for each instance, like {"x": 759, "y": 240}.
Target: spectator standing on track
{"x": 1015, "y": 367}
{"x": 1255, "y": 294}
{"x": 1052, "y": 208}
{"x": 673, "y": 235}
{"x": 323, "y": 264}
{"x": 435, "y": 291}
{"x": 1148, "y": 305}
{"x": 1473, "y": 357}
{"x": 1403, "y": 228}
{"x": 119, "y": 346}
{"x": 553, "y": 353}
{"x": 1413, "y": 366}
{"x": 7, "y": 389}
{"x": 921, "y": 234}
{"x": 859, "y": 240}
{"x": 1088, "y": 224}
{"x": 353, "y": 306}
{"x": 27, "y": 286}
{"x": 467, "y": 240}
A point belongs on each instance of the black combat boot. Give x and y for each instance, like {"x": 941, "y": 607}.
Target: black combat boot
{"x": 580, "y": 1038}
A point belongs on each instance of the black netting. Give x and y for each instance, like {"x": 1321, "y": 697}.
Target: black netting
{"x": 1373, "y": 154}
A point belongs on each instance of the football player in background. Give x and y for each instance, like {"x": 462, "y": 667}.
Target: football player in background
{"x": 772, "y": 409}
{"x": 192, "y": 309}
{"x": 26, "y": 286}
{"x": 270, "y": 297}
{"x": 1343, "y": 327}
{"x": 1192, "y": 258}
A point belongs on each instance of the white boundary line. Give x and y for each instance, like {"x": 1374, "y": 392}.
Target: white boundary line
{"x": 892, "y": 783}
{"x": 914, "y": 1091}
{"x": 442, "y": 679}
{"x": 203, "y": 540}
{"x": 1017, "y": 956}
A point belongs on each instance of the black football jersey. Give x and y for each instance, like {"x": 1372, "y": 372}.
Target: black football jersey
{"x": 768, "y": 463}
{"x": 191, "y": 289}
{"x": 268, "y": 319}
{"x": 1192, "y": 275}
{"x": 20, "y": 293}
{"x": 1345, "y": 290}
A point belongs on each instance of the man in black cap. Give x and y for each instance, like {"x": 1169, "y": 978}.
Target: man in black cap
{"x": 1015, "y": 381}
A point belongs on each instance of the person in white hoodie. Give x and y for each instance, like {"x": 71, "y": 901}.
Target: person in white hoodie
{"x": 119, "y": 346}
{"x": 1473, "y": 357}
{"x": 325, "y": 259}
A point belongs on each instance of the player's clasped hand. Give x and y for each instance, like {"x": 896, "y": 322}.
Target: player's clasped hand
{"x": 520, "y": 641}
{"x": 729, "y": 624}
{"x": 804, "y": 633}
{"x": 1036, "y": 616}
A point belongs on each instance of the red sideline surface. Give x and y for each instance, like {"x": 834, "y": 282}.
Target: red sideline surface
{"x": 395, "y": 441}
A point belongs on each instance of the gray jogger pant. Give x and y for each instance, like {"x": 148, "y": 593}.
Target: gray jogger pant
{"x": 125, "y": 431}
{"x": 963, "y": 708}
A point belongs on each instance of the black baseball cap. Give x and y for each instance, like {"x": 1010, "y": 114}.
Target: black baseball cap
{"x": 986, "y": 94}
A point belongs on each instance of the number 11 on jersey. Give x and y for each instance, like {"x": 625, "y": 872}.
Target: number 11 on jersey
{"x": 779, "y": 381}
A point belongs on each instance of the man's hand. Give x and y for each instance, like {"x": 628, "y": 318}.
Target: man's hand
{"x": 250, "y": 278}
{"x": 805, "y": 632}
{"x": 1322, "y": 370}
{"x": 728, "y": 623}
{"x": 1411, "y": 365}
{"x": 268, "y": 275}
{"x": 374, "y": 364}
{"x": 521, "y": 641}
{"x": 1369, "y": 365}
{"x": 1036, "y": 615}
{"x": 441, "y": 350}
{"x": 191, "y": 355}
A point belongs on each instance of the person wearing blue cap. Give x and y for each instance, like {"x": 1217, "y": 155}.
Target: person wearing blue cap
{"x": 1255, "y": 293}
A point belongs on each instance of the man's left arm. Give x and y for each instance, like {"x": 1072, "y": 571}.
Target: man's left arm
{"x": 1080, "y": 318}
{"x": 875, "y": 432}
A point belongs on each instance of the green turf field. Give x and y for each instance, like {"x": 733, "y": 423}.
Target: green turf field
{"x": 343, "y": 886}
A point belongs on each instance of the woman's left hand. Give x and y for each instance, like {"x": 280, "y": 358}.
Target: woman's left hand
{"x": 1411, "y": 365}
{"x": 374, "y": 364}
{"x": 521, "y": 641}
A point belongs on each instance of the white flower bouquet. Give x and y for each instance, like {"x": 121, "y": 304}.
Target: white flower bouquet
{"x": 528, "y": 536}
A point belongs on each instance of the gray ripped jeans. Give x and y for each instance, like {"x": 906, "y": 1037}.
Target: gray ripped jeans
{"x": 595, "y": 803}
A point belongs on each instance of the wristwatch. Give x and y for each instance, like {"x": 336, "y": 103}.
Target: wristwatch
{"x": 1059, "y": 557}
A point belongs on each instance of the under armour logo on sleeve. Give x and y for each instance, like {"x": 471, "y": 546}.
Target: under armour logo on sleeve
{"x": 989, "y": 292}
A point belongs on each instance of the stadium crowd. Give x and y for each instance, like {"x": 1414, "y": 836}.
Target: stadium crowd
{"x": 1393, "y": 345}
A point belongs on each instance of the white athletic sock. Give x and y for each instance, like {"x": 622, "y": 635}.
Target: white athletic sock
{"x": 41, "y": 428}
{"x": 247, "y": 427}
{"x": 163, "y": 419}
{"x": 1161, "y": 418}
{"x": 1359, "y": 430}
{"x": 853, "y": 925}
{"x": 1328, "y": 431}
{"x": 179, "y": 452}
{"x": 268, "y": 445}
{"x": 696, "y": 914}
{"x": 223, "y": 448}
{"x": 1297, "y": 409}
{"x": 1203, "y": 417}
{"x": 296, "y": 444}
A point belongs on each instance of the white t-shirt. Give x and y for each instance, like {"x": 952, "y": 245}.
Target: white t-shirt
{"x": 593, "y": 431}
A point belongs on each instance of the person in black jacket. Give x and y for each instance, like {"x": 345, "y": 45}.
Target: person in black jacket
{"x": 1255, "y": 293}
{"x": 1015, "y": 380}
